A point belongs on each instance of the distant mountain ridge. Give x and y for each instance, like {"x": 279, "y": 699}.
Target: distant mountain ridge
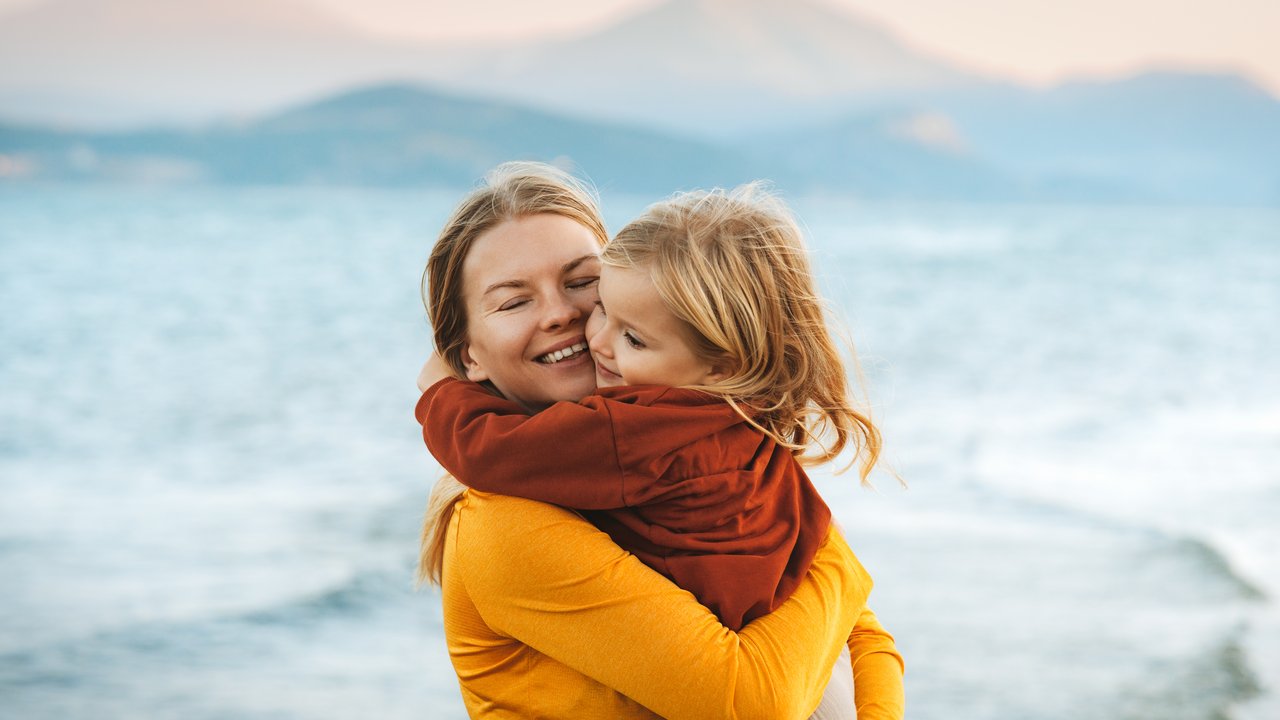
{"x": 393, "y": 135}
{"x": 795, "y": 90}
{"x": 1198, "y": 136}
{"x": 710, "y": 67}
{"x": 716, "y": 66}
{"x": 681, "y": 64}
{"x": 400, "y": 135}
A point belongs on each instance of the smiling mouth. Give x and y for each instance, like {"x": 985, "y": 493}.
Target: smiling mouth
{"x": 568, "y": 353}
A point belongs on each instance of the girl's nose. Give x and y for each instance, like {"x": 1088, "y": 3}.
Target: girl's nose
{"x": 595, "y": 334}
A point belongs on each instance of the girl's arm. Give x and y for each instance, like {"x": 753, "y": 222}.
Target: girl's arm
{"x": 495, "y": 445}
{"x": 545, "y": 577}
{"x": 877, "y": 670}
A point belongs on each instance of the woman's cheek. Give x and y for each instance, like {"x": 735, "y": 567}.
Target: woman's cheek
{"x": 511, "y": 326}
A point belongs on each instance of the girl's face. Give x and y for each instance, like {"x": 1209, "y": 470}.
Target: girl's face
{"x": 529, "y": 285}
{"x": 636, "y": 340}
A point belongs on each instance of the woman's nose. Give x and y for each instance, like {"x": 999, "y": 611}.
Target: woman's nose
{"x": 560, "y": 313}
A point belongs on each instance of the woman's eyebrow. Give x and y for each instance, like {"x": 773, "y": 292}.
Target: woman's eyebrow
{"x": 521, "y": 283}
{"x": 504, "y": 284}
{"x": 572, "y": 264}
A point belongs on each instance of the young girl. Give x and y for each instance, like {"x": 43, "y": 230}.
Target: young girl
{"x": 717, "y": 378}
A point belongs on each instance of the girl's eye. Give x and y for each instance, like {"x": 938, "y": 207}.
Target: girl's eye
{"x": 583, "y": 282}
{"x": 600, "y": 309}
{"x": 632, "y": 340}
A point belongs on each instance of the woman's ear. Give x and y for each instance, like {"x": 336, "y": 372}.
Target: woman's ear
{"x": 475, "y": 373}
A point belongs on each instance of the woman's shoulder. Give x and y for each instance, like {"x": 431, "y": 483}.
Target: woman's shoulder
{"x": 483, "y": 504}
{"x": 504, "y": 546}
{"x": 490, "y": 519}
{"x": 835, "y": 552}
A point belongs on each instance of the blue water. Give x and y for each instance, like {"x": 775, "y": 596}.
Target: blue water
{"x": 211, "y": 483}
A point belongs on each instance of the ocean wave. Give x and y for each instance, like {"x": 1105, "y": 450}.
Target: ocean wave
{"x": 361, "y": 593}
{"x": 353, "y": 595}
{"x": 1211, "y": 554}
{"x": 65, "y": 661}
{"x": 1209, "y": 687}
{"x": 1217, "y": 561}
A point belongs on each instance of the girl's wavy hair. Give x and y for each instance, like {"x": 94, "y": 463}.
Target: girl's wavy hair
{"x": 509, "y": 192}
{"x": 733, "y": 267}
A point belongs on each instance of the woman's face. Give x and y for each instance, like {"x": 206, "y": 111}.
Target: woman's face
{"x": 529, "y": 285}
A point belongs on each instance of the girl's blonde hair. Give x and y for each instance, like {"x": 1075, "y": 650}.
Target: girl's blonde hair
{"x": 509, "y": 192}
{"x": 734, "y": 268}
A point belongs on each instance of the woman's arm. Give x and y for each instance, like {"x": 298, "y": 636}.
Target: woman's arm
{"x": 877, "y": 670}
{"x": 547, "y": 578}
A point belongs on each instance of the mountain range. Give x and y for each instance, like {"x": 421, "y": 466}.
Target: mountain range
{"x": 684, "y": 93}
{"x": 406, "y": 135}
{"x": 716, "y": 67}
{"x": 693, "y": 65}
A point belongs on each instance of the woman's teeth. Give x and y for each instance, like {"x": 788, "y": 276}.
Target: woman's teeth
{"x": 552, "y": 358}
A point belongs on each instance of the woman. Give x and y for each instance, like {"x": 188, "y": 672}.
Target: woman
{"x": 544, "y": 615}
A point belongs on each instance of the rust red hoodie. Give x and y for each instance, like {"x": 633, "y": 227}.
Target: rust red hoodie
{"x": 674, "y": 476}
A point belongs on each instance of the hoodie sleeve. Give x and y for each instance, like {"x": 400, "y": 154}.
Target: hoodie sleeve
{"x": 565, "y": 455}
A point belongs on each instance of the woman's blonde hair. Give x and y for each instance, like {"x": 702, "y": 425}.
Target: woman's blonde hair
{"x": 509, "y": 192}
{"x": 732, "y": 265}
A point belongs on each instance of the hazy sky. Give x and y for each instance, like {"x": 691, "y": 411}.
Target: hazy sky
{"x": 1035, "y": 40}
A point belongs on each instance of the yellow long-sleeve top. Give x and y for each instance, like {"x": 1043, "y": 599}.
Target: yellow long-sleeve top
{"x": 545, "y": 617}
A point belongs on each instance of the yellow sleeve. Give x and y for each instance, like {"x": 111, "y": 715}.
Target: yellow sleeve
{"x": 877, "y": 670}
{"x": 549, "y": 579}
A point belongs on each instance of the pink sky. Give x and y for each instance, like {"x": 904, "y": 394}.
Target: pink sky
{"x": 1037, "y": 41}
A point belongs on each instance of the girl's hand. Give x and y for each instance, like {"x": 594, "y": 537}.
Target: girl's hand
{"x": 433, "y": 371}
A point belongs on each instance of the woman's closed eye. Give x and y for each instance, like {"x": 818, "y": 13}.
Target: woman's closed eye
{"x": 582, "y": 283}
{"x": 513, "y": 303}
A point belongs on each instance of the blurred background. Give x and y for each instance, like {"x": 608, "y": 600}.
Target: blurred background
{"x": 1052, "y": 229}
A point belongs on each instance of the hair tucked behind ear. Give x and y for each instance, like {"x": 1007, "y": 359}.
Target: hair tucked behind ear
{"x": 511, "y": 191}
{"x": 733, "y": 266}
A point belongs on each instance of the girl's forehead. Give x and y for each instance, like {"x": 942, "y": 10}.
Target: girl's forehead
{"x": 630, "y": 295}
